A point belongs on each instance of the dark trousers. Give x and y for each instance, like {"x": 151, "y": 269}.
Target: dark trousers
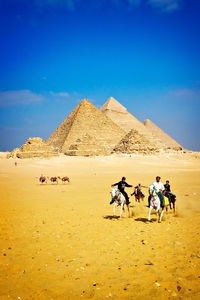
{"x": 126, "y": 196}
{"x": 149, "y": 200}
{"x": 162, "y": 200}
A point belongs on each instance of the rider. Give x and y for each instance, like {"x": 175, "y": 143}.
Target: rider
{"x": 121, "y": 186}
{"x": 168, "y": 189}
{"x": 42, "y": 178}
{"x": 137, "y": 189}
{"x": 159, "y": 188}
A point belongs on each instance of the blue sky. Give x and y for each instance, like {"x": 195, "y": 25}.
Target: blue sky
{"x": 54, "y": 53}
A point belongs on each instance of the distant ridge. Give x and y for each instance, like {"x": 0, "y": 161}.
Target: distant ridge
{"x": 164, "y": 137}
{"x": 86, "y": 120}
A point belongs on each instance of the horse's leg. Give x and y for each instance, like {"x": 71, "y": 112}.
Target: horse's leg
{"x": 161, "y": 214}
{"x": 114, "y": 208}
{"x": 150, "y": 209}
{"x": 128, "y": 207}
{"x": 174, "y": 205}
{"x": 122, "y": 208}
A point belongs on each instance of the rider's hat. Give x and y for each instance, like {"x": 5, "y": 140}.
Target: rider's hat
{"x": 123, "y": 178}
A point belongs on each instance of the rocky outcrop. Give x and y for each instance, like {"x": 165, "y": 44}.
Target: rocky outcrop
{"x": 134, "y": 142}
{"x": 34, "y": 147}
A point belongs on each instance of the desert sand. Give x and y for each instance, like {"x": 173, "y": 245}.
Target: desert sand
{"x": 62, "y": 242}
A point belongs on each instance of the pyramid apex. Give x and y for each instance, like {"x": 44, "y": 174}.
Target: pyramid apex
{"x": 147, "y": 121}
{"x": 113, "y": 104}
{"x": 85, "y": 101}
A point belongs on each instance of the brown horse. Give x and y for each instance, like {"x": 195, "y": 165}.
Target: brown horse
{"x": 138, "y": 193}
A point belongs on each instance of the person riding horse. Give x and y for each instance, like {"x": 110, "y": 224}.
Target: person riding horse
{"x": 171, "y": 196}
{"x": 138, "y": 190}
{"x": 159, "y": 188}
{"x": 121, "y": 186}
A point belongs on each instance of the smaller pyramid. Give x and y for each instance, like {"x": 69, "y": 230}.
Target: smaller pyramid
{"x": 134, "y": 142}
{"x": 163, "y": 137}
{"x": 87, "y": 146}
{"x": 34, "y": 148}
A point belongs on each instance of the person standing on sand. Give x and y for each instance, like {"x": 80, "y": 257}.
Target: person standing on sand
{"x": 159, "y": 188}
{"x": 121, "y": 186}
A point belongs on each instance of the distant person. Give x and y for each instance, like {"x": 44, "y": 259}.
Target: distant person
{"x": 121, "y": 186}
{"x": 15, "y": 164}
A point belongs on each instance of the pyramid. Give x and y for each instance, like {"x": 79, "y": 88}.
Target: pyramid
{"x": 32, "y": 148}
{"x": 119, "y": 114}
{"x": 134, "y": 142}
{"x": 86, "y": 119}
{"x": 87, "y": 145}
{"x": 164, "y": 137}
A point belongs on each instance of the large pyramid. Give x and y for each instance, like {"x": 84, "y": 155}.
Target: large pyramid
{"x": 86, "y": 120}
{"x": 119, "y": 114}
{"x": 164, "y": 137}
{"x": 134, "y": 142}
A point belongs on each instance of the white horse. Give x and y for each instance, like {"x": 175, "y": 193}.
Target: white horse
{"x": 155, "y": 204}
{"x": 119, "y": 200}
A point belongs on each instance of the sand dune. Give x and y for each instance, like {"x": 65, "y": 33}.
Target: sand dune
{"x": 62, "y": 242}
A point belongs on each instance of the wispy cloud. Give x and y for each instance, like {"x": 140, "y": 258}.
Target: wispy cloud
{"x": 181, "y": 96}
{"x": 165, "y": 5}
{"x": 60, "y": 94}
{"x": 187, "y": 94}
{"x": 69, "y": 4}
{"x": 19, "y": 97}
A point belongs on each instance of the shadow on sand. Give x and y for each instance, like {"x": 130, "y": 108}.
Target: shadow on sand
{"x": 145, "y": 220}
{"x": 111, "y": 217}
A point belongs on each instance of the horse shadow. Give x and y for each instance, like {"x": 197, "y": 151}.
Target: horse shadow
{"x": 111, "y": 217}
{"x": 145, "y": 220}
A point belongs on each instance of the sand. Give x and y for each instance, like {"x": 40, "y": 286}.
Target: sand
{"x": 62, "y": 242}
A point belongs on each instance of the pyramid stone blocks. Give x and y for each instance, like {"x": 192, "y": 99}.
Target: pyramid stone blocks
{"x": 85, "y": 120}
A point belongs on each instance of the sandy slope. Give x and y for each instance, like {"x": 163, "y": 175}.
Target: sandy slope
{"x": 61, "y": 242}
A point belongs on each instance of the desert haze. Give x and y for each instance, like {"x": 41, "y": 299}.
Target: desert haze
{"x": 60, "y": 241}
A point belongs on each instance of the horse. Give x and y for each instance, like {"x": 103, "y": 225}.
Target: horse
{"x": 53, "y": 179}
{"x": 119, "y": 200}
{"x": 138, "y": 195}
{"x": 172, "y": 199}
{"x": 155, "y": 204}
{"x": 64, "y": 179}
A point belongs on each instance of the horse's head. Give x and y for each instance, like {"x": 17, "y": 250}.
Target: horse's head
{"x": 113, "y": 192}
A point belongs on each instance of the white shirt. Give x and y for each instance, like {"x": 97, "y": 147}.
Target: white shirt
{"x": 159, "y": 187}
